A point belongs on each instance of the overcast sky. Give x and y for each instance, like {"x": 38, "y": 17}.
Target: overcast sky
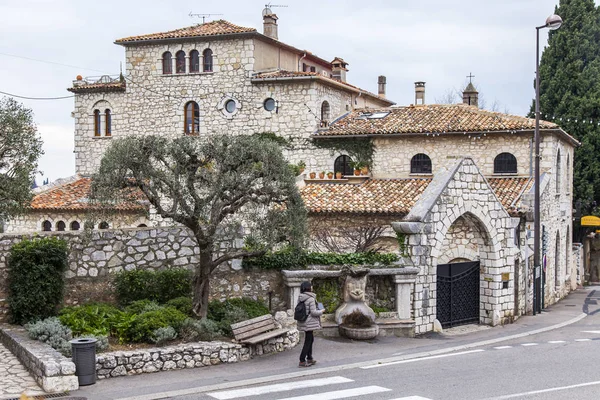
{"x": 436, "y": 41}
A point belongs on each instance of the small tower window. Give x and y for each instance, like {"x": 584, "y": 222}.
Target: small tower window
{"x": 103, "y": 225}
{"x": 420, "y": 164}
{"x": 325, "y": 114}
{"x": 107, "y": 122}
{"x": 343, "y": 164}
{"x": 505, "y": 163}
{"x": 75, "y": 226}
{"x": 192, "y": 118}
{"x": 558, "y": 172}
{"x": 180, "y": 62}
{"x": 207, "y": 60}
{"x": 194, "y": 61}
{"x": 167, "y": 66}
{"x": 46, "y": 226}
{"x": 61, "y": 226}
{"x": 97, "y": 123}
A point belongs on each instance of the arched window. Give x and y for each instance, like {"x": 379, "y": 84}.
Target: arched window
{"x": 46, "y": 226}
{"x": 568, "y": 182}
{"x": 107, "y": 122}
{"x": 142, "y": 226}
{"x": 61, "y": 226}
{"x": 103, "y": 225}
{"x": 194, "y": 61}
{"x": 343, "y": 164}
{"x": 97, "y": 123}
{"x": 420, "y": 164}
{"x": 558, "y": 172}
{"x": 167, "y": 66}
{"x": 325, "y": 114}
{"x": 505, "y": 163}
{"x": 567, "y": 251}
{"x": 192, "y": 118}
{"x": 180, "y": 62}
{"x": 75, "y": 226}
{"x": 557, "y": 261}
{"x": 207, "y": 60}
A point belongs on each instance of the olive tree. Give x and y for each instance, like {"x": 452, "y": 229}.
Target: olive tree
{"x": 236, "y": 194}
{"x": 20, "y": 149}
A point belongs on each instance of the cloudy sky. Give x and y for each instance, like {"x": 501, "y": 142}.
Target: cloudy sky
{"x": 436, "y": 41}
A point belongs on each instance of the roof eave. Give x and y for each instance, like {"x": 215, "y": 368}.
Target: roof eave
{"x": 408, "y": 134}
{"x": 185, "y": 38}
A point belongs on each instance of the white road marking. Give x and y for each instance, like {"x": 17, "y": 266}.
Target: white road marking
{"x": 421, "y": 359}
{"x": 555, "y": 389}
{"x": 412, "y": 398}
{"x": 342, "y": 394}
{"x": 583, "y": 340}
{"x": 556, "y": 341}
{"x": 529, "y": 344}
{"x": 279, "y": 387}
{"x": 503, "y": 347}
{"x": 598, "y": 332}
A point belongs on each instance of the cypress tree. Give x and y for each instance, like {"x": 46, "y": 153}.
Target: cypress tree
{"x": 570, "y": 90}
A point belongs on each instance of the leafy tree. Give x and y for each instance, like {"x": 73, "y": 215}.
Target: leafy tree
{"x": 20, "y": 149}
{"x": 570, "y": 90}
{"x": 222, "y": 189}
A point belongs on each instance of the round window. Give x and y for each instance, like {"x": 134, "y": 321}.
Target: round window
{"x": 230, "y": 106}
{"x": 269, "y": 104}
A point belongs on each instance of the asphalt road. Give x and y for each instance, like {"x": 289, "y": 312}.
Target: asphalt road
{"x": 560, "y": 364}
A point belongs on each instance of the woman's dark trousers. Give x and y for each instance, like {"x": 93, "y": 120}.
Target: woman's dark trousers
{"x": 306, "y": 353}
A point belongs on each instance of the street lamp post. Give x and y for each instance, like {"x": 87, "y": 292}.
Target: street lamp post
{"x": 552, "y": 22}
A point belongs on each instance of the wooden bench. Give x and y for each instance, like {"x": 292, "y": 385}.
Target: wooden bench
{"x": 256, "y": 330}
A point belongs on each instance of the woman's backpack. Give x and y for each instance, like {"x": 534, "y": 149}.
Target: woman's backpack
{"x": 300, "y": 313}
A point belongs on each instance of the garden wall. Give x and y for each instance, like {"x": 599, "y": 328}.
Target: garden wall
{"x": 95, "y": 256}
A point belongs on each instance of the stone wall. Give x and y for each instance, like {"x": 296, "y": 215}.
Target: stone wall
{"x": 96, "y": 256}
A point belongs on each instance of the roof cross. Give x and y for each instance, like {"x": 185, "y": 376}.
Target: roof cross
{"x": 470, "y": 76}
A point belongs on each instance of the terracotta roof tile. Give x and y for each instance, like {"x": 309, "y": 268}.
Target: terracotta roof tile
{"x": 435, "y": 118}
{"x": 392, "y": 196}
{"x": 74, "y": 196}
{"x": 118, "y": 86}
{"x": 213, "y": 28}
{"x": 283, "y": 74}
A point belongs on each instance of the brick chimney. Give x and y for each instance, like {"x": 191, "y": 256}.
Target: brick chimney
{"x": 381, "y": 81}
{"x": 338, "y": 69}
{"x": 270, "y": 25}
{"x": 419, "y": 93}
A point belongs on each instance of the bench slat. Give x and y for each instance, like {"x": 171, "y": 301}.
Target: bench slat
{"x": 252, "y": 321}
{"x": 254, "y": 330}
{"x": 264, "y": 325}
{"x": 265, "y": 336}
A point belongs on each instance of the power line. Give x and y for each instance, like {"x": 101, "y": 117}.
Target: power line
{"x": 51, "y": 62}
{"x": 37, "y": 98}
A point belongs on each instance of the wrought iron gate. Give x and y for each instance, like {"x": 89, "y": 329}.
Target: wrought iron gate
{"x": 458, "y": 293}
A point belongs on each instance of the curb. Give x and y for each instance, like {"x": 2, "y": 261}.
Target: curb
{"x": 318, "y": 371}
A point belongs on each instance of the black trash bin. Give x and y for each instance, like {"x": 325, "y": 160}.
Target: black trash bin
{"x": 84, "y": 357}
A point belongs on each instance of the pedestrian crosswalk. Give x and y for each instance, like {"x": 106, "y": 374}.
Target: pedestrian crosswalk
{"x": 326, "y": 390}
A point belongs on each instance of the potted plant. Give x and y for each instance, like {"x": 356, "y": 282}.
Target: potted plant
{"x": 322, "y": 175}
{"x": 313, "y": 175}
{"x": 338, "y": 175}
{"x": 357, "y": 325}
{"x": 301, "y": 166}
{"x": 329, "y": 175}
{"x": 364, "y": 169}
{"x": 357, "y": 165}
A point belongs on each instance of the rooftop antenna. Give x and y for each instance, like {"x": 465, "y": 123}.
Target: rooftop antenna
{"x": 203, "y": 16}
{"x": 267, "y": 10}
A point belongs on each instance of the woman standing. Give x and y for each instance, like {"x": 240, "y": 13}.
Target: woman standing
{"x": 312, "y": 323}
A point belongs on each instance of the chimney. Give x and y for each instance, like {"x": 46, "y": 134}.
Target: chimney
{"x": 338, "y": 69}
{"x": 471, "y": 95}
{"x": 419, "y": 93}
{"x": 381, "y": 85}
{"x": 270, "y": 25}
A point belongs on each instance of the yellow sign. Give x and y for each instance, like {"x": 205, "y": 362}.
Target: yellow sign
{"x": 590, "y": 220}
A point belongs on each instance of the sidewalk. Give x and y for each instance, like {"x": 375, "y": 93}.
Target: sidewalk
{"x": 333, "y": 353}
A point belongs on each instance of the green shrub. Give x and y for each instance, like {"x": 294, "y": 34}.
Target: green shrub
{"x": 199, "y": 330}
{"x": 35, "y": 278}
{"x": 142, "y": 306}
{"x": 142, "y": 327}
{"x": 161, "y": 336}
{"x": 160, "y": 286}
{"x": 51, "y": 332}
{"x": 378, "y": 309}
{"x": 356, "y": 319}
{"x": 183, "y": 304}
{"x": 293, "y": 258}
{"x": 89, "y": 319}
{"x": 329, "y": 292}
{"x": 234, "y": 310}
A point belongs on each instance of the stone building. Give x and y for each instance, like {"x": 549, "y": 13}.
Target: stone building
{"x": 454, "y": 181}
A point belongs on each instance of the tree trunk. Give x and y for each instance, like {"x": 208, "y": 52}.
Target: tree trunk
{"x": 202, "y": 285}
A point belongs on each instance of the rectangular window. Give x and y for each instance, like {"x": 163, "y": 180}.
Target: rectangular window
{"x": 313, "y": 69}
